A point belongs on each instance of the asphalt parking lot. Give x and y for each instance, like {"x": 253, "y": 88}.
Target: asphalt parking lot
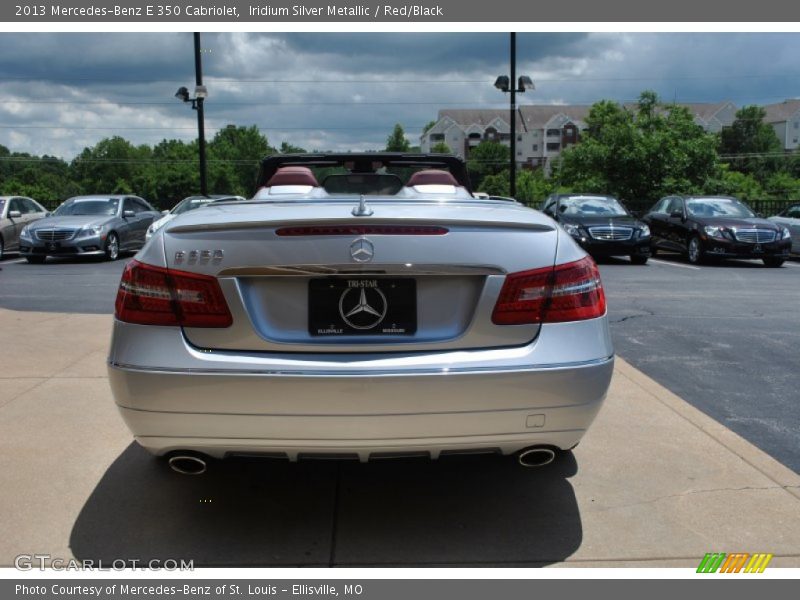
{"x": 655, "y": 482}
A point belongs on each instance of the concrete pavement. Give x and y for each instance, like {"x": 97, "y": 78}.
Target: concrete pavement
{"x": 654, "y": 483}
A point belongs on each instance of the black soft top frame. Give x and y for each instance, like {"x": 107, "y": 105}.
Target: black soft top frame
{"x": 364, "y": 162}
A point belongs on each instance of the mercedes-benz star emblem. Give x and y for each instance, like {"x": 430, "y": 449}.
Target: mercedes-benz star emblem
{"x": 362, "y": 250}
{"x": 362, "y": 308}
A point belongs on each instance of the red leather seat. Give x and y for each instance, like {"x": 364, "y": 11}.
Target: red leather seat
{"x": 293, "y": 176}
{"x": 432, "y": 177}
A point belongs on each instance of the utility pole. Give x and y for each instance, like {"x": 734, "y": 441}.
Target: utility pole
{"x": 201, "y": 130}
{"x": 513, "y": 180}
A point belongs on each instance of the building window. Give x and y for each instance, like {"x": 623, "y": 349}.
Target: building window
{"x": 437, "y": 137}
{"x": 797, "y": 124}
{"x": 519, "y": 153}
{"x": 536, "y": 147}
{"x": 552, "y": 132}
{"x": 553, "y": 147}
{"x": 519, "y": 137}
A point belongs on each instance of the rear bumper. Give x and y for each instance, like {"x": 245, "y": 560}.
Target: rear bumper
{"x": 364, "y": 407}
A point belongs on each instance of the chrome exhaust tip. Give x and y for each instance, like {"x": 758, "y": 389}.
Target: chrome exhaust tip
{"x": 536, "y": 457}
{"x": 187, "y": 464}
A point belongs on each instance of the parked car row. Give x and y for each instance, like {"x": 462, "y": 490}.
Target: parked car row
{"x": 700, "y": 227}
{"x": 97, "y": 225}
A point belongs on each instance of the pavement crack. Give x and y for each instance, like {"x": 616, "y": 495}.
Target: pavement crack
{"x": 694, "y": 492}
{"x": 644, "y": 313}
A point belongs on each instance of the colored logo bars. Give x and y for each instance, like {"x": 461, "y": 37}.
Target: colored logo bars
{"x": 734, "y": 563}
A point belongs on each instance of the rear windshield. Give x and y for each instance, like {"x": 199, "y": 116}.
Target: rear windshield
{"x": 588, "y": 206}
{"x": 190, "y": 204}
{"x": 86, "y": 206}
{"x": 718, "y": 207}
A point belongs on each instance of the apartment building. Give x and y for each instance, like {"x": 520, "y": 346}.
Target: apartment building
{"x": 785, "y": 120}
{"x": 543, "y": 131}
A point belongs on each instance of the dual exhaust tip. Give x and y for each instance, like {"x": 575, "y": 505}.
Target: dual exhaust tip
{"x": 195, "y": 464}
{"x": 188, "y": 464}
{"x": 536, "y": 456}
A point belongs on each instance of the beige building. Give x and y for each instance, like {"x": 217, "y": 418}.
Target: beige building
{"x": 785, "y": 120}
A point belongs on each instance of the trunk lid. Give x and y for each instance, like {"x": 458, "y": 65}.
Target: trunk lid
{"x": 312, "y": 277}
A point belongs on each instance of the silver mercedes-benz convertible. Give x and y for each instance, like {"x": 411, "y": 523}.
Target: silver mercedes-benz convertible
{"x": 360, "y": 306}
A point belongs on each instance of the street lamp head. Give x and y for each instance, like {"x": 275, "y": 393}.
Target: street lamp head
{"x": 502, "y": 83}
{"x": 525, "y": 83}
{"x": 182, "y": 94}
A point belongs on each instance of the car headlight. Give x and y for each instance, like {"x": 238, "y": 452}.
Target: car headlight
{"x": 26, "y": 232}
{"x": 644, "y": 231}
{"x": 715, "y": 232}
{"x": 785, "y": 234}
{"x": 91, "y": 231}
{"x": 571, "y": 229}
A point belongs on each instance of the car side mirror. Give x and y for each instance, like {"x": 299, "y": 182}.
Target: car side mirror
{"x": 14, "y": 214}
{"x": 676, "y": 214}
{"x": 128, "y": 213}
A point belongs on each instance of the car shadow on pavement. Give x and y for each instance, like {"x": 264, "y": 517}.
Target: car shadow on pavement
{"x": 252, "y": 512}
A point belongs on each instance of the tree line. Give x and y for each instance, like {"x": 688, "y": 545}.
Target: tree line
{"x": 638, "y": 155}
{"x": 642, "y": 154}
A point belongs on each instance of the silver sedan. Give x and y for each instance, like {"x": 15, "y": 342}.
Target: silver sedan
{"x": 89, "y": 226}
{"x": 790, "y": 218}
{"x": 365, "y": 315}
{"x": 15, "y": 213}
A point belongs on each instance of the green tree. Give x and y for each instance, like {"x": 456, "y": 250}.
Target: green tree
{"x": 428, "y": 126}
{"x": 287, "y": 148}
{"x": 734, "y": 183}
{"x": 533, "y": 187}
{"x": 441, "y": 148}
{"x": 397, "y": 142}
{"x": 487, "y": 158}
{"x": 497, "y": 184}
{"x": 749, "y": 143}
{"x": 639, "y": 155}
{"x": 102, "y": 167}
{"x": 234, "y": 155}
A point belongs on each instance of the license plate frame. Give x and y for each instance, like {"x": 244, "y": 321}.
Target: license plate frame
{"x": 362, "y": 306}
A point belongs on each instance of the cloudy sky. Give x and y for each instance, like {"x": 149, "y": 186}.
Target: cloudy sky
{"x": 62, "y": 92}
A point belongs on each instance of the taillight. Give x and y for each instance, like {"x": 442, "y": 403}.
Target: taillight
{"x": 568, "y": 292}
{"x": 151, "y": 295}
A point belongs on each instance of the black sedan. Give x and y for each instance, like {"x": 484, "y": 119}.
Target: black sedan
{"x": 601, "y": 225}
{"x": 704, "y": 227}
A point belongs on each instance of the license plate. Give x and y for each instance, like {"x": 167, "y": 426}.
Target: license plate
{"x": 362, "y": 306}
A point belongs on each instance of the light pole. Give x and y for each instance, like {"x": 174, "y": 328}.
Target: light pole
{"x": 503, "y": 83}
{"x": 200, "y": 93}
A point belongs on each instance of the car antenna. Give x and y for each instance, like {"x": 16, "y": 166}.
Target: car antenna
{"x": 362, "y": 210}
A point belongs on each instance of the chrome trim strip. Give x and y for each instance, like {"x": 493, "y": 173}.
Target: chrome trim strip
{"x": 366, "y": 372}
{"x": 361, "y": 269}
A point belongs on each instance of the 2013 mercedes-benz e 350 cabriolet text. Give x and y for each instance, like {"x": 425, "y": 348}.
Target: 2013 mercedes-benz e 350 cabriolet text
{"x": 360, "y": 306}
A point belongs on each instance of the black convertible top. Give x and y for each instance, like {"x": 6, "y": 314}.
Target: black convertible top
{"x": 366, "y": 162}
